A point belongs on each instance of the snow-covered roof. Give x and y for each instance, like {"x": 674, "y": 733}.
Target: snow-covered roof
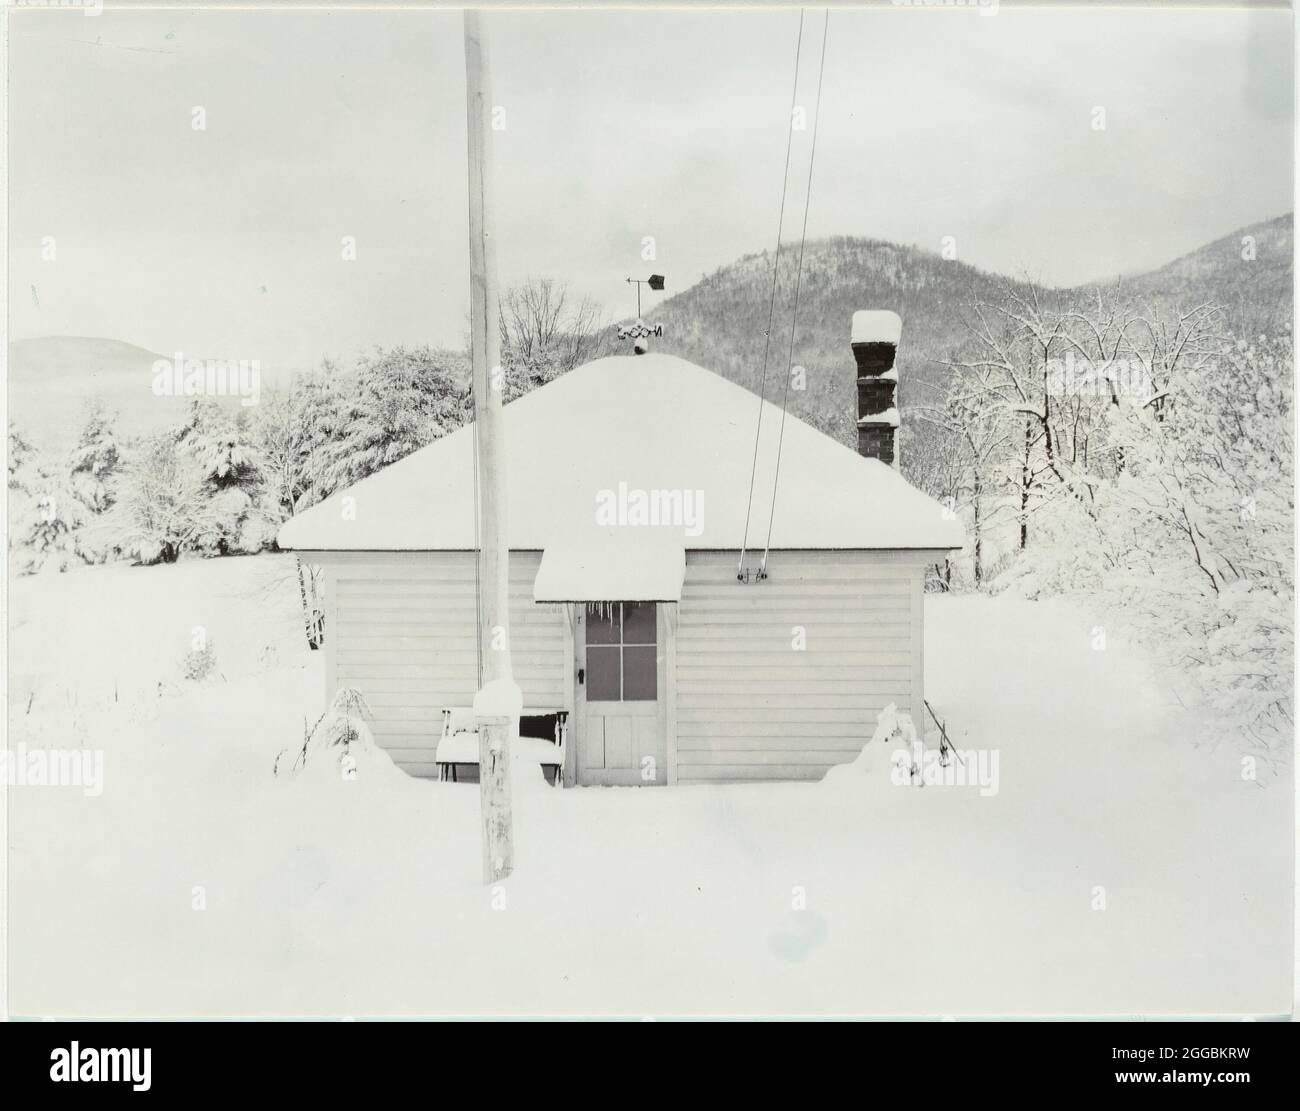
{"x": 877, "y": 326}
{"x": 643, "y": 438}
{"x": 603, "y": 564}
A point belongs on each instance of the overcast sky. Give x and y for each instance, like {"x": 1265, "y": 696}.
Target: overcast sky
{"x": 227, "y": 242}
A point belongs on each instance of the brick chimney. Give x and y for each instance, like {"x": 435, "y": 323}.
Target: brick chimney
{"x": 875, "y": 343}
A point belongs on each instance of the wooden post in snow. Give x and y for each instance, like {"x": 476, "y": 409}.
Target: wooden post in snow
{"x": 497, "y": 706}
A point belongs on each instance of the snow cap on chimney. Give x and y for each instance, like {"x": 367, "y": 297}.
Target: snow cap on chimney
{"x": 877, "y": 326}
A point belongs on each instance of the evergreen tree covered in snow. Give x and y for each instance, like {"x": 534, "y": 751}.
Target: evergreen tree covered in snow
{"x": 220, "y": 445}
{"x": 94, "y": 463}
{"x": 46, "y": 512}
{"x": 95, "y": 459}
{"x": 22, "y": 476}
{"x": 46, "y": 532}
{"x": 21, "y": 454}
{"x": 221, "y": 449}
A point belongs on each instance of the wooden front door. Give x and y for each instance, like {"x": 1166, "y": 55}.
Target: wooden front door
{"x": 622, "y": 737}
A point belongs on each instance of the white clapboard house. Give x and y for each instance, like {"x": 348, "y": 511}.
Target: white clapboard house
{"x": 629, "y": 484}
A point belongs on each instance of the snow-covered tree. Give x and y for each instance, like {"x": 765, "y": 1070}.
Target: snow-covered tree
{"x": 220, "y": 444}
{"x": 966, "y": 461}
{"x": 46, "y": 532}
{"x": 163, "y": 506}
{"x": 1058, "y": 368}
{"x": 1189, "y": 538}
{"x": 289, "y": 430}
{"x": 1153, "y": 457}
{"x": 222, "y": 450}
{"x": 95, "y": 459}
{"x": 402, "y": 399}
{"x": 319, "y": 404}
{"x": 21, "y": 455}
{"x": 1008, "y": 380}
{"x": 1210, "y": 475}
{"x": 296, "y": 434}
{"x": 280, "y": 438}
{"x": 47, "y": 512}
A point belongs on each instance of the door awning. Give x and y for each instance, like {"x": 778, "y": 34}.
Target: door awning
{"x": 623, "y": 564}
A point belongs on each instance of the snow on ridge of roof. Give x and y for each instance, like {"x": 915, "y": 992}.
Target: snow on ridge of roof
{"x": 625, "y": 425}
{"x": 877, "y": 326}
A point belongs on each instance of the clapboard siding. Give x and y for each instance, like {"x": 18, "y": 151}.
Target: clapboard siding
{"x": 743, "y": 702}
{"x": 402, "y": 631}
{"x": 750, "y": 704}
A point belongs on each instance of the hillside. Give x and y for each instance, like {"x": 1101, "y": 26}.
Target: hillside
{"x": 1254, "y": 293}
{"x": 720, "y": 321}
{"x": 52, "y": 378}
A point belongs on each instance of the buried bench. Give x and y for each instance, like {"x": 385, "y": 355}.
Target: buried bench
{"x": 459, "y": 742}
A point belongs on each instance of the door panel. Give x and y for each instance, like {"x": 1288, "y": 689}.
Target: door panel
{"x": 592, "y": 749}
{"x": 618, "y": 742}
{"x": 623, "y": 740}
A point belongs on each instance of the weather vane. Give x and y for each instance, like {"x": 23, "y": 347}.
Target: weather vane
{"x": 655, "y": 282}
{"x": 641, "y": 331}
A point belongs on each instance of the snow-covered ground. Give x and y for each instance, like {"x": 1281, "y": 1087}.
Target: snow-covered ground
{"x": 322, "y": 895}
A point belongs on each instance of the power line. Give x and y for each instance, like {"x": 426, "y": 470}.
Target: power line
{"x": 478, "y": 573}
{"x": 798, "y": 280}
{"x": 771, "y": 304}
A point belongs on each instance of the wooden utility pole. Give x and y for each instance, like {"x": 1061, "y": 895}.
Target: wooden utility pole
{"x": 497, "y": 706}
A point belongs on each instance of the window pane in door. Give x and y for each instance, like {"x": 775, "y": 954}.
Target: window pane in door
{"x": 603, "y": 624}
{"x": 638, "y": 622}
{"x": 639, "y": 674}
{"x": 602, "y": 673}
